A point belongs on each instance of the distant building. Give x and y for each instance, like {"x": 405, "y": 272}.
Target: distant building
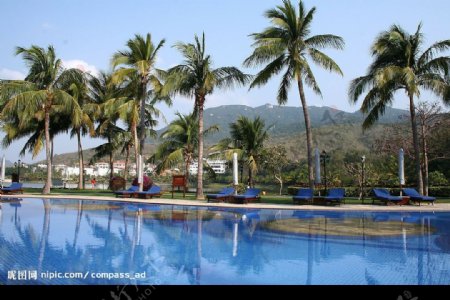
{"x": 101, "y": 168}
{"x": 218, "y": 165}
{"x": 119, "y": 165}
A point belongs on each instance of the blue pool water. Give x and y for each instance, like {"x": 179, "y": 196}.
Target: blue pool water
{"x": 96, "y": 242}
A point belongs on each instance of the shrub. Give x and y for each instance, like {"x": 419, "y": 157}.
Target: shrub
{"x": 436, "y": 178}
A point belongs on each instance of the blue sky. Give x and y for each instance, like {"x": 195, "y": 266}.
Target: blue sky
{"x": 86, "y": 33}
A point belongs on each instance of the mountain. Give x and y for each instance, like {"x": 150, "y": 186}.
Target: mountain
{"x": 333, "y": 129}
{"x": 285, "y": 120}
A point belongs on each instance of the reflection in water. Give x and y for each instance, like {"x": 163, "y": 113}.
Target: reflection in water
{"x": 45, "y": 233}
{"x": 182, "y": 245}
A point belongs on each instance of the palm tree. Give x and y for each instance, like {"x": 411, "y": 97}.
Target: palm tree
{"x": 80, "y": 92}
{"x": 104, "y": 93}
{"x": 399, "y": 64}
{"x": 180, "y": 143}
{"x": 251, "y": 134}
{"x": 139, "y": 70}
{"x": 196, "y": 78}
{"x": 40, "y": 96}
{"x": 287, "y": 44}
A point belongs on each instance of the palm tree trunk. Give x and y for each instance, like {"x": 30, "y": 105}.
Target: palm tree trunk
{"x": 308, "y": 133}
{"x": 125, "y": 171}
{"x": 142, "y": 128}
{"x": 186, "y": 171}
{"x": 111, "y": 160}
{"x": 111, "y": 166}
{"x": 425, "y": 159}
{"x": 136, "y": 148}
{"x": 46, "y": 189}
{"x": 250, "y": 177}
{"x": 199, "y": 194}
{"x": 80, "y": 161}
{"x": 412, "y": 110}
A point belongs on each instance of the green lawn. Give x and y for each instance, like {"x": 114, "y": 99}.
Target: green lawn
{"x": 274, "y": 199}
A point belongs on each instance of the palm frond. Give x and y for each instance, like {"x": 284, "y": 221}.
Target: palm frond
{"x": 270, "y": 70}
{"x": 324, "y": 61}
{"x": 324, "y": 41}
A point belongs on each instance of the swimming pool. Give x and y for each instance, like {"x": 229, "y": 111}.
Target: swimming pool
{"x": 53, "y": 241}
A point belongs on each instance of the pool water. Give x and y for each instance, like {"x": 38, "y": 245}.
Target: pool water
{"x": 96, "y": 242}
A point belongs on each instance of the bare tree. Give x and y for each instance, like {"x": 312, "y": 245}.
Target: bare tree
{"x": 429, "y": 118}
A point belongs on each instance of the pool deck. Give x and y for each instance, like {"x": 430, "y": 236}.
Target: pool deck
{"x": 358, "y": 207}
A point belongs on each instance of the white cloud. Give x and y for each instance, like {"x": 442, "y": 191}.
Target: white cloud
{"x": 11, "y": 74}
{"x": 81, "y": 65}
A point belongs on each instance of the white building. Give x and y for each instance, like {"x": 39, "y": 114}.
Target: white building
{"x": 101, "y": 168}
{"x": 218, "y": 165}
{"x": 119, "y": 165}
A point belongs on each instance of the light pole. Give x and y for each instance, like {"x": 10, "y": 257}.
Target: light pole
{"x": 363, "y": 165}
{"x": 18, "y": 164}
{"x": 325, "y": 158}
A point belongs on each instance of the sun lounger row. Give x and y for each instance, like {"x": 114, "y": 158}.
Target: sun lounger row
{"x": 14, "y": 188}
{"x": 410, "y": 195}
{"x": 133, "y": 191}
{"x": 305, "y": 196}
{"x": 337, "y": 195}
{"x": 228, "y": 195}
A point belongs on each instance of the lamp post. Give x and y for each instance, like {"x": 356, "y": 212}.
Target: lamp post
{"x": 325, "y": 158}
{"x": 363, "y": 165}
{"x": 18, "y": 164}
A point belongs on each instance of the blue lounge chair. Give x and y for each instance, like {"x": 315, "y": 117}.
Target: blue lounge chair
{"x": 14, "y": 188}
{"x": 249, "y": 195}
{"x": 127, "y": 193}
{"x": 223, "y": 195}
{"x": 303, "y": 195}
{"x": 154, "y": 191}
{"x": 383, "y": 195}
{"x": 335, "y": 195}
{"x": 416, "y": 197}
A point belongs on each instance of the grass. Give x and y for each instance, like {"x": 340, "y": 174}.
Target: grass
{"x": 271, "y": 199}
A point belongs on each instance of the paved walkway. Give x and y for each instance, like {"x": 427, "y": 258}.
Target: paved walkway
{"x": 366, "y": 207}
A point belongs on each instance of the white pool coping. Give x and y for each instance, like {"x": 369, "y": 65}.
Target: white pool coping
{"x": 167, "y": 201}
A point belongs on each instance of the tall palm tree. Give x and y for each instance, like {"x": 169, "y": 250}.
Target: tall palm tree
{"x": 40, "y": 97}
{"x": 80, "y": 92}
{"x": 180, "y": 143}
{"x": 252, "y": 135}
{"x": 104, "y": 93}
{"x": 139, "y": 68}
{"x": 195, "y": 77}
{"x": 399, "y": 64}
{"x": 287, "y": 44}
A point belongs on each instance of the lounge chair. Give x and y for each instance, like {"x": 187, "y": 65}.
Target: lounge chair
{"x": 416, "y": 197}
{"x": 335, "y": 195}
{"x": 249, "y": 195}
{"x": 14, "y": 188}
{"x": 303, "y": 195}
{"x": 127, "y": 193}
{"x": 383, "y": 195}
{"x": 154, "y": 191}
{"x": 223, "y": 195}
